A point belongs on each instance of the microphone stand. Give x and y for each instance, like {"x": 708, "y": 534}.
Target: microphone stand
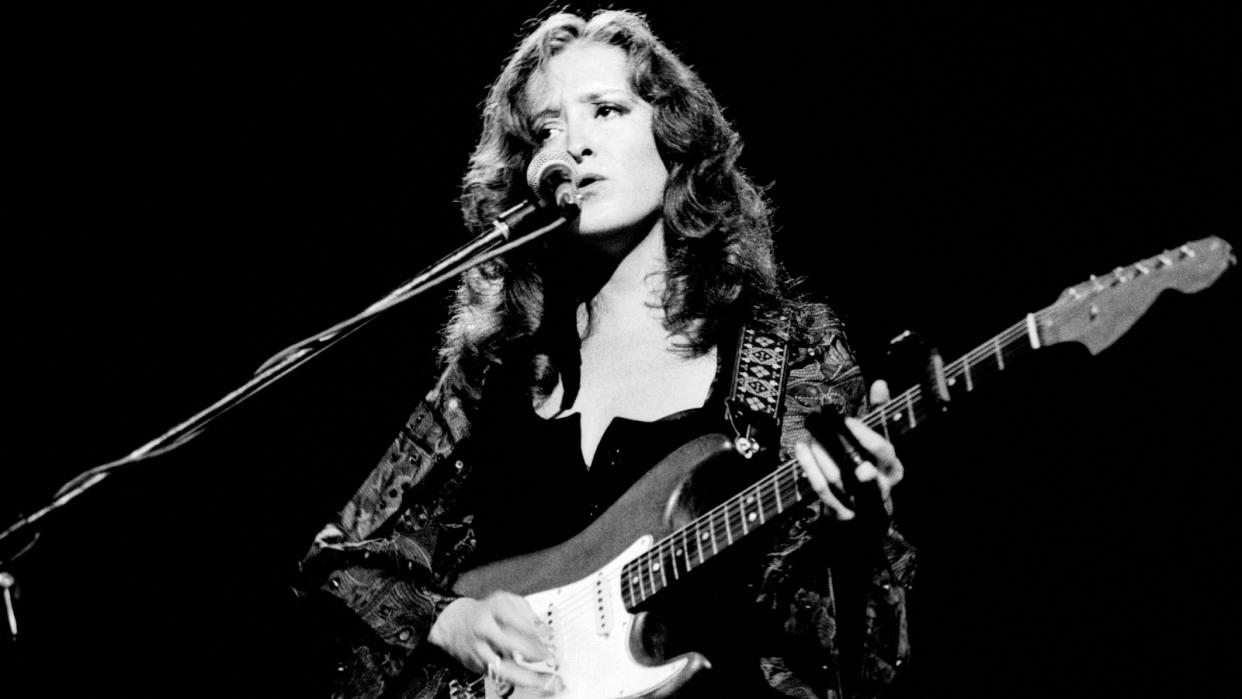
{"x": 483, "y": 248}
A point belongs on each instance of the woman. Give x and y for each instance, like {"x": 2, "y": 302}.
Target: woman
{"x": 607, "y": 348}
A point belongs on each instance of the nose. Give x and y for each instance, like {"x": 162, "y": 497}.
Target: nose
{"x": 578, "y": 139}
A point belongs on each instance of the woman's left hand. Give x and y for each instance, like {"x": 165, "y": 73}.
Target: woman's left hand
{"x": 825, "y": 476}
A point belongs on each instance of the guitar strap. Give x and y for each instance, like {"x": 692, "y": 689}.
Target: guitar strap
{"x": 757, "y": 389}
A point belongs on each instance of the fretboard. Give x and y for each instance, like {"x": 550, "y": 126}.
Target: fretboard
{"x": 784, "y": 488}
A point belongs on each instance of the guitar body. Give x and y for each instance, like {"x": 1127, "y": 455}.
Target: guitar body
{"x": 576, "y": 587}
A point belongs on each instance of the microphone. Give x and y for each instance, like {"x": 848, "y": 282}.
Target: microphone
{"x": 550, "y": 176}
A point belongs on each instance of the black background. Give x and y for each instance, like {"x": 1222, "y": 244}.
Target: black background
{"x": 199, "y": 188}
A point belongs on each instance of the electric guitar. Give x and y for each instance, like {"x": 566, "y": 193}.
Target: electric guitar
{"x": 587, "y": 588}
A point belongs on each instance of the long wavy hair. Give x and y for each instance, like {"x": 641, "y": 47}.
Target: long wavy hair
{"x": 516, "y": 317}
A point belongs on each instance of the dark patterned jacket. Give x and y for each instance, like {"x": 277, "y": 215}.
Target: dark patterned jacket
{"x": 388, "y": 563}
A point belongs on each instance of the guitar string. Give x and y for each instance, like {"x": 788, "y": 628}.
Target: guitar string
{"x": 793, "y": 489}
{"x": 789, "y": 493}
{"x": 585, "y": 599}
{"x": 895, "y": 407}
{"x": 573, "y": 634}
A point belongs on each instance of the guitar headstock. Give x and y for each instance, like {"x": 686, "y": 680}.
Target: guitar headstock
{"x": 1101, "y": 309}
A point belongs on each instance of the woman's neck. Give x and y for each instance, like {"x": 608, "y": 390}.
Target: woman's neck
{"x": 632, "y": 294}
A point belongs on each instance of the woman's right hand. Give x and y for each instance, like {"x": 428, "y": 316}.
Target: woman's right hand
{"x": 499, "y": 635}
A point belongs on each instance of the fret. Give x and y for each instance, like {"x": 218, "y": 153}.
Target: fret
{"x": 797, "y": 481}
{"x": 659, "y": 567}
{"x": 758, "y": 506}
{"x": 638, "y": 578}
{"x": 776, "y": 490}
{"x": 698, "y": 541}
{"x": 800, "y": 486}
{"x": 790, "y": 476}
{"x": 1000, "y": 355}
{"x": 627, "y": 590}
{"x": 728, "y": 530}
{"x": 741, "y": 514}
{"x": 910, "y": 408}
{"x": 669, "y": 563}
{"x": 685, "y": 553}
{"x": 711, "y": 531}
{"x": 650, "y": 578}
{"x": 970, "y": 385}
{"x": 753, "y": 513}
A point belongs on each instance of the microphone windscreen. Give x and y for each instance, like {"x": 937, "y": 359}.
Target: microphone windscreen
{"x": 550, "y": 164}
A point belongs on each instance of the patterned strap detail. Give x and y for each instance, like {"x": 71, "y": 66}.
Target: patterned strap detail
{"x": 759, "y": 373}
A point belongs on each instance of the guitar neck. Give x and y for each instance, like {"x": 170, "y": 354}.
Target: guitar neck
{"x": 786, "y": 487}
{"x": 909, "y": 409}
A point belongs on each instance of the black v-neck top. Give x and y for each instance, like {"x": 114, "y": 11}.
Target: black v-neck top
{"x": 532, "y": 489}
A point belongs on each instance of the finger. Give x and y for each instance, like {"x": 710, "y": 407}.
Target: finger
{"x": 879, "y": 393}
{"x": 517, "y": 620}
{"x": 508, "y": 641}
{"x": 885, "y": 462}
{"x": 513, "y": 609}
{"x": 516, "y": 674}
{"x": 873, "y": 442}
{"x": 485, "y": 656}
{"x": 866, "y": 472}
{"x": 513, "y": 643}
{"x": 547, "y": 670}
{"x": 833, "y": 476}
{"x": 815, "y": 469}
{"x": 884, "y": 466}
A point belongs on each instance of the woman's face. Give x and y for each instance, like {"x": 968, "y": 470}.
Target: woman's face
{"x": 582, "y": 104}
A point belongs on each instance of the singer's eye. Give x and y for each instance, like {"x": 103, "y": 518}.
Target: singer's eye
{"x": 544, "y": 133}
{"x": 605, "y": 110}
